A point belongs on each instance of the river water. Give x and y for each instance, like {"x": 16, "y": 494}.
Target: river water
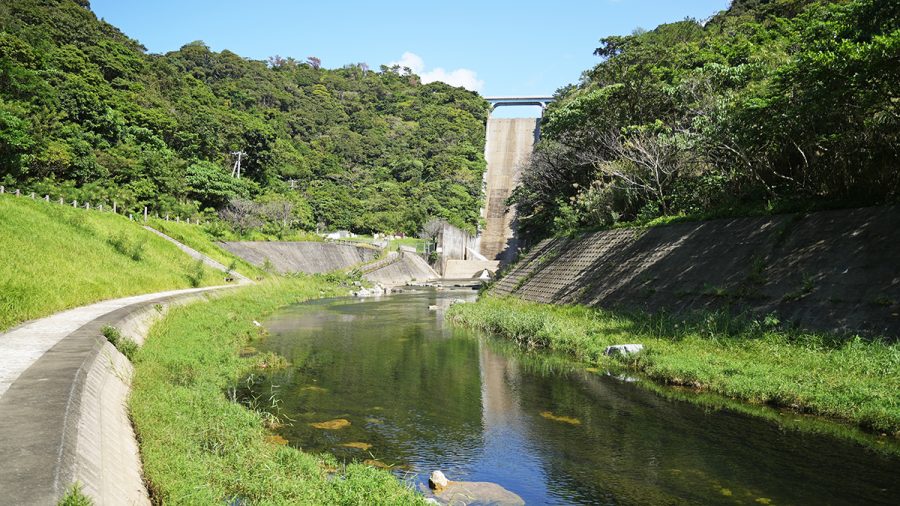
{"x": 427, "y": 395}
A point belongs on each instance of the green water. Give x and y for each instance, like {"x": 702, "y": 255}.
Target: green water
{"x": 426, "y": 395}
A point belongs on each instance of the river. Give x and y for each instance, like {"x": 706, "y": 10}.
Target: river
{"x": 420, "y": 394}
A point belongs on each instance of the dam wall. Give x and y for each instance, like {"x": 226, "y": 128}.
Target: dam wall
{"x": 830, "y": 271}
{"x": 306, "y": 257}
{"x": 509, "y": 144}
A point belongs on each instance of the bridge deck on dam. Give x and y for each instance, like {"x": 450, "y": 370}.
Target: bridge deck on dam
{"x": 509, "y": 143}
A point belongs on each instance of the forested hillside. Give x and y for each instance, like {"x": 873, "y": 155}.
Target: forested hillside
{"x": 86, "y": 113}
{"x": 770, "y": 105}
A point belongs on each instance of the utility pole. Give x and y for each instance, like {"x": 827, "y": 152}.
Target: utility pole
{"x": 236, "y": 170}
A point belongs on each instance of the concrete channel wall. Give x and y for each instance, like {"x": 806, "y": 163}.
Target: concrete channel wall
{"x": 307, "y": 257}
{"x": 832, "y": 270}
{"x": 405, "y": 267}
{"x": 64, "y": 419}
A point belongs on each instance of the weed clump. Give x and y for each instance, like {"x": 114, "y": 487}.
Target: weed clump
{"x": 196, "y": 273}
{"x": 125, "y": 345}
{"x": 75, "y": 497}
{"x": 133, "y": 249}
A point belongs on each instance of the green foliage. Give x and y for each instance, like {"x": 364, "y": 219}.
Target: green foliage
{"x": 86, "y": 112}
{"x": 765, "y": 104}
{"x": 75, "y": 497}
{"x": 196, "y": 273}
{"x": 125, "y": 345}
{"x": 755, "y": 360}
{"x": 200, "y": 447}
{"x": 133, "y": 249}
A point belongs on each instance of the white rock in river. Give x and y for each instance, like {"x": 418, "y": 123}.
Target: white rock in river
{"x": 437, "y": 480}
{"x": 623, "y": 349}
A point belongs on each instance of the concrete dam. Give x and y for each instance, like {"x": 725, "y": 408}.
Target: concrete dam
{"x": 509, "y": 144}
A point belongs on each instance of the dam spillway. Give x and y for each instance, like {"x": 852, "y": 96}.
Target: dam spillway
{"x": 509, "y": 144}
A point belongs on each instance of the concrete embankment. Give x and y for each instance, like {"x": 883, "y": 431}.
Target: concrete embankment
{"x": 832, "y": 271}
{"x": 306, "y": 257}
{"x": 63, "y": 412}
{"x": 400, "y": 268}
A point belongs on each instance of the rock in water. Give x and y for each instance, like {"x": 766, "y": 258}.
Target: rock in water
{"x": 438, "y": 481}
{"x": 476, "y": 492}
{"x": 623, "y": 349}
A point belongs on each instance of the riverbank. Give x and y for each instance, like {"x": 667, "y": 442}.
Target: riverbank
{"x": 200, "y": 447}
{"x": 755, "y": 361}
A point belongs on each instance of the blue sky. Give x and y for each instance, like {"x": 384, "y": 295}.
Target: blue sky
{"x": 497, "y": 47}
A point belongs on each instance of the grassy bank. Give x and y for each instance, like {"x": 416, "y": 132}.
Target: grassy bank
{"x": 55, "y": 257}
{"x": 199, "y": 447}
{"x": 754, "y": 361}
{"x": 197, "y": 237}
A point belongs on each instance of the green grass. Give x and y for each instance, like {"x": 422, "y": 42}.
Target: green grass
{"x": 393, "y": 244}
{"x": 199, "y": 238}
{"x": 751, "y": 360}
{"x": 55, "y": 257}
{"x": 75, "y": 497}
{"x": 199, "y": 447}
{"x": 125, "y": 345}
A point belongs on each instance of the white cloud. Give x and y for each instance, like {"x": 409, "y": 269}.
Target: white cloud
{"x": 466, "y": 78}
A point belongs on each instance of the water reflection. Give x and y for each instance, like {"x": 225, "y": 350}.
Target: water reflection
{"x": 419, "y": 395}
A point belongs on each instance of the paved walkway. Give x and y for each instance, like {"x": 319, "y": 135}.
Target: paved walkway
{"x": 63, "y": 416}
{"x": 23, "y": 345}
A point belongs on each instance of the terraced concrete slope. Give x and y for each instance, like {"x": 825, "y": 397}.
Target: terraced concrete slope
{"x": 833, "y": 270}
{"x": 509, "y": 143}
{"x": 307, "y": 257}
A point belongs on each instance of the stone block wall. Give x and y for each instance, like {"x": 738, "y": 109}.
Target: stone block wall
{"x": 831, "y": 270}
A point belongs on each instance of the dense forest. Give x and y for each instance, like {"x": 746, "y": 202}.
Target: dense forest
{"x": 86, "y": 113}
{"x": 770, "y": 105}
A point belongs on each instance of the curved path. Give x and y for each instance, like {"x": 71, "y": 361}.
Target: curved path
{"x": 63, "y": 392}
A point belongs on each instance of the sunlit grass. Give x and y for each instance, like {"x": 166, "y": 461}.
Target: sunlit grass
{"x": 751, "y": 360}
{"x": 54, "y": 257}
{"x": 197, "y": 237}
{"x": 200, "y": 447}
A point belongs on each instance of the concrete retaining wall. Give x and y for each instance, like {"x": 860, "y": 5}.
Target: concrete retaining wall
{"x": 65, "y": 418}
{"x": 468, "y": 269}
{"x": 308, "y": 257}
{"x": 407, "y": 267}
{"x": 834, "y": 270}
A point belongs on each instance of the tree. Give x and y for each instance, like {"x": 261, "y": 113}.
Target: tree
{"x": 243, "y": 215}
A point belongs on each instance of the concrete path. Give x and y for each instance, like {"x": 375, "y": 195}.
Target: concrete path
{"x": 64, "y": 418}
{"x": 63, "y": 392}
{"x": 23, "y": 345}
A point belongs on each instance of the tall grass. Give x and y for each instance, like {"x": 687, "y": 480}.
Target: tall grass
{"x": 199, "y": 447}
{"x": 752, "y": 360}
{"x": 54, "y": 257}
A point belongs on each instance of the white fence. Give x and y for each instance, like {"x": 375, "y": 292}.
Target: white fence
{"x": 100, "y": 207}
